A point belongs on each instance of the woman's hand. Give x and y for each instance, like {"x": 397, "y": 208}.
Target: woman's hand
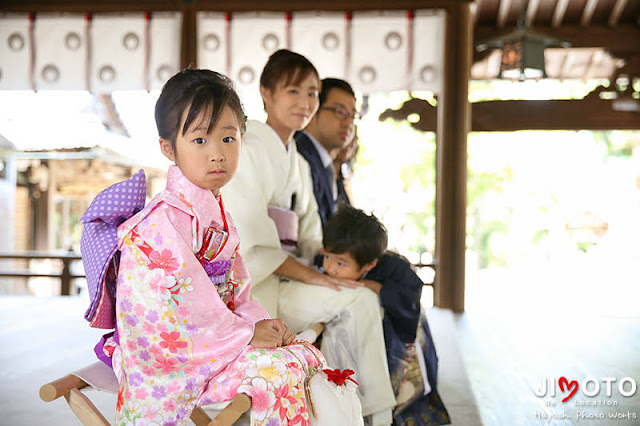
{"x": 267, "y": 334}
{"x": 295, "y": 270}
{"x": 333, "y": 283}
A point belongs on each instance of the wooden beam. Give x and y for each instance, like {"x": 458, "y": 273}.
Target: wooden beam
{"x": 503, "y": 13}
{"x": 558, "y": 13}
{"x": 532, "y": 10}
{"x": 590, "y": 113}
{"x": 587, "y": 12}
{"x": 509, "y": 116}
{"x": 616, "y": 12}
{"x": 623, "y": 40}
{"x": 454, "y": 122}
{"x": 188, "y": 50}
{"x": 476, "y": 10}
{"x": 83, "y": 6}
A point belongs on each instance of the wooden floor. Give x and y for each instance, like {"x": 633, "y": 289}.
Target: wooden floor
{"x": 495, "y": 355}
{"x": 513, "y": 336}
{"x": 44, "y": 338}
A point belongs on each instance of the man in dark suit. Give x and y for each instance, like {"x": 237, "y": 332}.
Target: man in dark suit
{"x": 331, "y": 128}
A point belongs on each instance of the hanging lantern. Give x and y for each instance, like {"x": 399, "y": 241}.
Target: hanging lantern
{"x": 522, "y": 50}
{"x": 523, "y": 58}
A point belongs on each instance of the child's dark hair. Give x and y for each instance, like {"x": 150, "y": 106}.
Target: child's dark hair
{"x": 198, "y": 90}
{"x": 334, "y": 83}
{"x": 352, "y": 231}
{"x": 285, "y": 67}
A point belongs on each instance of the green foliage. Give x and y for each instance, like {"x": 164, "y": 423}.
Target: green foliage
{"x": 618, "y": 144}
{"x": 420, "y": 173}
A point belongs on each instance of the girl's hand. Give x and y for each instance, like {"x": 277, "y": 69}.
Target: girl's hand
{"x": 266, "y": 334}
{"x": 286, "y": 334}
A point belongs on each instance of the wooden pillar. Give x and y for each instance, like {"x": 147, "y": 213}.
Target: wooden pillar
{"x": 454, "y": 123}
{"x": 189, "y": 35}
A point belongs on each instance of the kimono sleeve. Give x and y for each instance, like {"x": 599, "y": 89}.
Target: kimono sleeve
{"x": 310, "y": 227}
{"x": 246, "y": 308}
{"x": 247, "y": 198}
{"x": 170, "y": 317}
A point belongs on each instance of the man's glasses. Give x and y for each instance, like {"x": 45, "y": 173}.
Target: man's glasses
{"x": 343, "y": 114}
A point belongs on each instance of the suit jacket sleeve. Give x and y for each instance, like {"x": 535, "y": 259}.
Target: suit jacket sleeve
{"x": 400, "y": 295}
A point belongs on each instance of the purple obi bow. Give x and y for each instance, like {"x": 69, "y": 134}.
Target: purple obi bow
{"x": 217, "y": 271}
{"x": 99, "y": 243}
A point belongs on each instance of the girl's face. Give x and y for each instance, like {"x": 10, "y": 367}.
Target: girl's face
{"x": 208, "y": 160}
{"x": 291, "y": 107}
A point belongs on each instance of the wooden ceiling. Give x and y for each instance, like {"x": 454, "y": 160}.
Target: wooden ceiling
{"x": 604, "y": 34}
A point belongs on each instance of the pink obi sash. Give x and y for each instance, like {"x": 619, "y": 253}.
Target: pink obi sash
{"x": 287, "y": 225}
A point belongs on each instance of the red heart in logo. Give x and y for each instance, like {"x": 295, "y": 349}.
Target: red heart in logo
{"x": 562, "y": 382}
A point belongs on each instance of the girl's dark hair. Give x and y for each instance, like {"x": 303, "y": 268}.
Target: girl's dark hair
{"x": 286, "y": 67}
{"x": 352, "y": 231}
{"x": 199, "y": 91}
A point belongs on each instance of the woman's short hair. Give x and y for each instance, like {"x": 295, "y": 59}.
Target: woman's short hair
{"x": 197, "y": 90}
{"x": 285, "y": 67}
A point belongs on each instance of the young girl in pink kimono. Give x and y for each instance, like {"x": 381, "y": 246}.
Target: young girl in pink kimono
{"x": 188, "y": 333}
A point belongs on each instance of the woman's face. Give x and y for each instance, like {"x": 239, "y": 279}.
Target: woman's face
{"x": 291, "y": 107}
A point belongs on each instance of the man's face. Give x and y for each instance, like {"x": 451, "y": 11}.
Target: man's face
{"x": 333, "y": 125}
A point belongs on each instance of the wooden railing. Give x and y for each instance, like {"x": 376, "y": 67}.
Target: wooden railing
{"x": 431, "y": 265}
{"x": 65, "y": 275}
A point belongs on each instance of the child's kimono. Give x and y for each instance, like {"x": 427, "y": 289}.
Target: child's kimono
{"x": 185, "y": 320}
{"x": 411, "y": 354}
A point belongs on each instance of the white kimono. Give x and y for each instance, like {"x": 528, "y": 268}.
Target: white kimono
{"x": 270, "y": 175}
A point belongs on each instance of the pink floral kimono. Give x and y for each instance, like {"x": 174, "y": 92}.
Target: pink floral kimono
{"x": 185, "y": 319}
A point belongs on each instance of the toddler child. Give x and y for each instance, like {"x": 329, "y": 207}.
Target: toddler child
{"x": 355, "y": 248}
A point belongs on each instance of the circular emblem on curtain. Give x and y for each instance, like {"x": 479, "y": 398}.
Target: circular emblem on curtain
{"x": 367, "y": 74}
{"x": 393, "y": 41}
{"x": 164, "y": 72}
{"x": 246, "y": 75}
{"x": 15, "y": 42}
{"x": 330, "y": 41}
{"x": 211, "y": 42}
{"x": 270, "y": 42}
{"x": 107, "y": 74}
{"x": 130, "y": 41}
{"x": 427, "y": 73}
{"x": 72, "y": 41}
{"x": 50, "y": 73}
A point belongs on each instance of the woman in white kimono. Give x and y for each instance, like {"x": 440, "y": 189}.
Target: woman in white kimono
{"x": 272, "y": 176}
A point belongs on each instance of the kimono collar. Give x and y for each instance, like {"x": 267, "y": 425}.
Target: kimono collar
{"x": 202, "y": 199}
